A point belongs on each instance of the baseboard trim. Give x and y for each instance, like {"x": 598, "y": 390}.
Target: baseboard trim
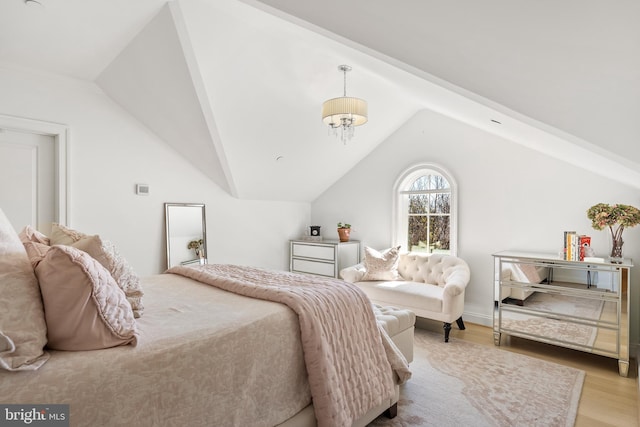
{"x": 478, "y": 319}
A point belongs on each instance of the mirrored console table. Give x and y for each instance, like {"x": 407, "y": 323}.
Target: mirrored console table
{"x": 573, "y": 304}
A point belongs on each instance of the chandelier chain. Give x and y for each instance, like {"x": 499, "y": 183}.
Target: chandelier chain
{"x": 344, "y": 70}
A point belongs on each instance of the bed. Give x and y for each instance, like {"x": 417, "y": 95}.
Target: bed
{"x": 201, "y": 356}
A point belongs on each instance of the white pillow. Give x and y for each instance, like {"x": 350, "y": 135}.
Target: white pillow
{"x": 525, "y": 273}
{"x": 23, "y": 331}
{"x": 381, "y": 265}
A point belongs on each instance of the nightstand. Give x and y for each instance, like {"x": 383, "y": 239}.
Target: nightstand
{"x": 323, "y": 258}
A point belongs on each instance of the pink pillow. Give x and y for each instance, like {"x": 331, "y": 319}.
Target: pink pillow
{"x": 36, "y": 251}
{"x": 106, "y": 254}
{"x": 83, "y": 305}
{"x": 30, "y": 234}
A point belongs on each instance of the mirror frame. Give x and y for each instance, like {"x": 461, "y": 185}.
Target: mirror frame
{"x": 167, "y": 221}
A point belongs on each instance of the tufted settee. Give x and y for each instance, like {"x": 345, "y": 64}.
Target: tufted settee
{"x": 430, "y": 285}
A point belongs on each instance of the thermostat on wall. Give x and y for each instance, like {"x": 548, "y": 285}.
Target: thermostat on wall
{"x": 142, "y": 189}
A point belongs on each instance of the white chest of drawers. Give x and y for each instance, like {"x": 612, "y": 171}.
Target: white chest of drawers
{"x": 323, "y": 258}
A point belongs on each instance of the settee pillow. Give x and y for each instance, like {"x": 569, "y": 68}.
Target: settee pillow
{"x": 84, "y": 307}
{"x": 381, "y": 265}
{"x": 531, "y": 273}
{"x": 525, "y": 273}
{"x": 106, "y": 254}
{"x": 23, "y": 331}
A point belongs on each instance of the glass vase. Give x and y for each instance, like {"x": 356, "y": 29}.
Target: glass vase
{"x": 615, "y": 255}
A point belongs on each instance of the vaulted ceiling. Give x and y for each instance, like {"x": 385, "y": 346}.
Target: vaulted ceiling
{"x": 236, "y": 86}
{"x": 574, "y": 65}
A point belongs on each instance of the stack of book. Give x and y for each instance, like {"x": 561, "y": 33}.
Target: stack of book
{"x": 574, "y": 245}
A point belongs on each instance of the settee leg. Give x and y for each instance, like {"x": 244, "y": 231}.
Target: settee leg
{"x": 460, "y": 323}
{"x": 447, "y": 329}
{"x": 392, "y": 411}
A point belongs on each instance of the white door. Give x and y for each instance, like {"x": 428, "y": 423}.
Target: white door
{"x": 28, "y": 179}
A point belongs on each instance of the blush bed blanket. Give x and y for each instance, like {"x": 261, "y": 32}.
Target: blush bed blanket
{"x": 350, "y": 361}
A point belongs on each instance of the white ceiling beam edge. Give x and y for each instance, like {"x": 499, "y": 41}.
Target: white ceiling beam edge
{"x": 201, "y": 93}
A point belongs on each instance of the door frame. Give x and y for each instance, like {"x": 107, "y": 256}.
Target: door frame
{"x": 60, "y": 135}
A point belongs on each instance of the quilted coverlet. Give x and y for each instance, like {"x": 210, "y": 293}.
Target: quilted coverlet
{"x": 205, "y": 357}
{"x": 350, "y": 360}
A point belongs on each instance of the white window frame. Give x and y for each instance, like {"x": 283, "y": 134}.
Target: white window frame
{"x": 400, "y": 214}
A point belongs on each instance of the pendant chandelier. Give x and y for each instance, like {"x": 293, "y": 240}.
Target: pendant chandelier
{"x": 344, "y": 113}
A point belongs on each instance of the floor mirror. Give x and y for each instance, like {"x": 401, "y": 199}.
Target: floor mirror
{"x": 186, "y": 234}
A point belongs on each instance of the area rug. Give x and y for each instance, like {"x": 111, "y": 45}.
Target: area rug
{"x": 563, "y": 331}
{"x": 464, "y": 384}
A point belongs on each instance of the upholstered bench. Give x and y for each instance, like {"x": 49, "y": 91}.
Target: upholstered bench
{"x": 399, "y": 324}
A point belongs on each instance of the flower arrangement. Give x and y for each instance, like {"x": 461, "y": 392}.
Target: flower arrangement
{"x": 616, "y": 217}
{"x": 196, "y": 245}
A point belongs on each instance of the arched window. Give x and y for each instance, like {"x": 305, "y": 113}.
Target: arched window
{"x": 425, "y": 210}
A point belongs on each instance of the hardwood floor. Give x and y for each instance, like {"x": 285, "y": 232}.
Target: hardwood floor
{"x": 607, "y": 398}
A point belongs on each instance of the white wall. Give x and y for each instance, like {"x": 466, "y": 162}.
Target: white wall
{"x": 110, "y": 152}
{"x": 509, "y": 197}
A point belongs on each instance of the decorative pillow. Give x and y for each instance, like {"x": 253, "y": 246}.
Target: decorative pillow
{"x": 531, "y": 273}
{"x": 107, "y": 255}
{"x": 30, "y": 234}
{"x": 61, "y": 235}
{"x": 36, "y": 251}
{"x": 83, "y": 305}
{"x": 23, "y": 331}
{"x": 525, "y": 273}
{"x": 381, "y": 265}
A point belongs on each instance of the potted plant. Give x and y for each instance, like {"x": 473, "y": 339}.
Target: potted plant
{"x": 344, "y": 231}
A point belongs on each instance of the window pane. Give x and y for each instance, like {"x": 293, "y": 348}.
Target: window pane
{"x": 429, "y": 182}
{"x": 418, "y": 233}
{"x": 420, "y": 183}
{"x": 440, "y": 203}
{"x": 418, "y": 203}
{"x": 439, "y": 233}
{"x": 438, "y": 182}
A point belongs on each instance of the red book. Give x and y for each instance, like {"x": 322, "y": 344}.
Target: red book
{"x": 585, "y": 241}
